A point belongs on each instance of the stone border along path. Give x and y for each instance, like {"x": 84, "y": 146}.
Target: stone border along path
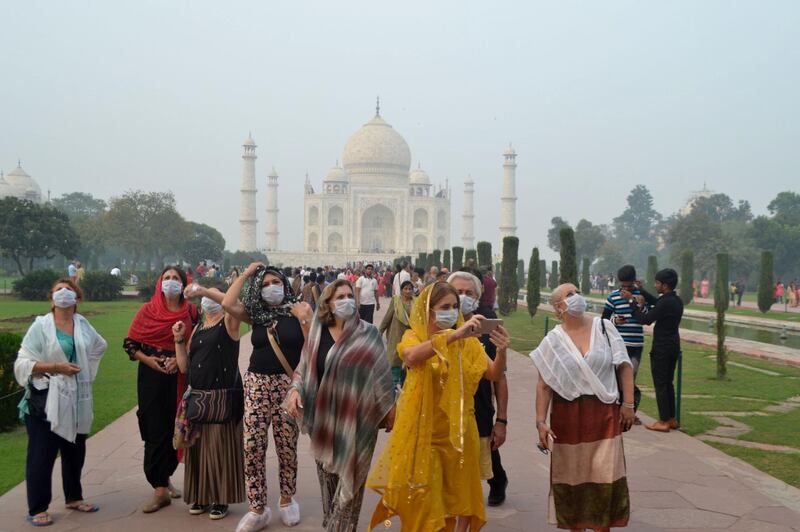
{"x": 677, "y": 482}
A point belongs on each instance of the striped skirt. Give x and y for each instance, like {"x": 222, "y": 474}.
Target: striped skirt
{"x": 588, "y": 487}
{"x": 214, "y": 472}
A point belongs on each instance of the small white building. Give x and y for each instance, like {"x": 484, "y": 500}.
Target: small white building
{"x": 19, "y": 184}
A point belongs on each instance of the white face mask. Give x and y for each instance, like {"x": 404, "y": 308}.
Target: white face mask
{"x": 171, "y": 287}
{"x": 272, "y": 294}
{"x": 210, "y": 306}
{"x": 576, "y": 305}
{"x": 468, "y": 304}
{"x": 345, "y": 308}
{"x": 446, "y": 318}
{"x": 64, "y": 298}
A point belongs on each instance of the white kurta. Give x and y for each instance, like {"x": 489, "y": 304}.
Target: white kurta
{"x": 571, "y": 374}
{"x": 69, "y": 407}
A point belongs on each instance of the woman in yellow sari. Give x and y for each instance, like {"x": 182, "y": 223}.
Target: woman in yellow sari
{"x": 429, "y": 473}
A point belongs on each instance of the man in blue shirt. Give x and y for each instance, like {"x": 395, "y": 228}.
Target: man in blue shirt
{"x": 619, "y": 305}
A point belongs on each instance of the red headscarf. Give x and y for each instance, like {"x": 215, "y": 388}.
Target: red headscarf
{"x": 153, "y": 323}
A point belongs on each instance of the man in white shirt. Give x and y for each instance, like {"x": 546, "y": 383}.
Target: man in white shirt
{"x": 400, "y": 277}
{"x": 115, "y": 272}
{"x": 365, "y": 294}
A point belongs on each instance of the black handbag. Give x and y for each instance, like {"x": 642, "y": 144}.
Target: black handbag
{"x": 37, "y": 401}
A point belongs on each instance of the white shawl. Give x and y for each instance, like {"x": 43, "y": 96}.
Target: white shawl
{"x": 568, "y": 373}
{"x": 69, "y": 406}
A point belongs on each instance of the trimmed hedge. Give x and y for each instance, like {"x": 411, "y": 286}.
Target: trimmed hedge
{"x": 766, "y": 283}
{"x": 101, "y": 286}
{"x": 534, "y": 296}
{"x": 10, "y": 391}
{"x": 36, "y": 285}
{"x": 484, "y": 250}
{"x": 458, "y": 258}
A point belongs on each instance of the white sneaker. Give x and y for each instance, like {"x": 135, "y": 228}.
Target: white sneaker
{"x": 253, "y": 522}
{"x": 290, "y": 514}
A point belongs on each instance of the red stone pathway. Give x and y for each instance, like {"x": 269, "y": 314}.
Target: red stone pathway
{"x": 676, "y": 482}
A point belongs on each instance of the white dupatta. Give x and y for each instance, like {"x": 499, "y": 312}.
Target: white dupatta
{"x": 69, "y": 407}
{"x": 570, "y": 374}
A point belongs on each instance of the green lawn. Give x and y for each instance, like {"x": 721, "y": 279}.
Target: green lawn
{"x": 772, "y": 314}
{"x": 744, "y": 390}
{"x": 114, "y": 390}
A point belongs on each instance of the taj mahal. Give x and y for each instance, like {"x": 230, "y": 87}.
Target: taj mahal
{"x": 373, "y": 206}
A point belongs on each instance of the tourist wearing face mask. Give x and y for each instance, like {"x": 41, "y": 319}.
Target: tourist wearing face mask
{"x": 151, "y": 343}
{"x": 429, "y": 472}
{"x": 342, "y": 394}
{"x": 56, "y": 365}
{"x": 579, "y": 364}
{"x": 395, "y": 323}
{"x": 492, "y": 431}
{"x": 214, "y": 469}
{"x": 280, "y": 324}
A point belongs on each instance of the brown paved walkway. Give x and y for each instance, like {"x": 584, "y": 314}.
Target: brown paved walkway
{"x": 676, "y": 482}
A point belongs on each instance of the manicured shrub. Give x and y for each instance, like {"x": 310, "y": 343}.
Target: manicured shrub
{"x": 542, "y": 272}
{"x": 554, "y": 275}
{"x": 484, "y": 250}
{"x": 569, "y": 262}
{"x": 446, "y": 258}
{"x": 458, "y": 258}
{"x": 520, "y": 273}
{"x": 36, "y": 285}
{"x": 686, "y": 290}
{"x": 586, "y": 280}
{"x": 471, "y": 258}
{"x": 436, "y": 259}
{"x": 101, "y": 286}
{"x": 721, "y": 300}
{"x": 650, "y": 278}
{"x": 508, "y": 289}
{"x": 10, "y": 391}
{"x": 766, "y": 283}
{"x": 534, "y": 296}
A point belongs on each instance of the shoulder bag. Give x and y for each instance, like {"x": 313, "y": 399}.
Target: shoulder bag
{"x": 278, "y": 353}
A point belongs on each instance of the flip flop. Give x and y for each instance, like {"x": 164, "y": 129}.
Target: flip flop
{"x": 84, "y": 507}
{"x": 41, "y": 519}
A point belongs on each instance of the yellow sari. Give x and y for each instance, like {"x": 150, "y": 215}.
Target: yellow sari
{"x": 429, "y": 472}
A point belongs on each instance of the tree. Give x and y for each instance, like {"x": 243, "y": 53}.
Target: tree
{"x": 650, "y": 276}
{"x": 243, "y": 259}
{"x": 458, "y": 258}
{"x": 29, "y": 231}
{"x": 589, "y": 239}
{"x": 534, "y": 296}
{"x": 79, "y": 204}
{"x": 508, "y": 290}
{"x": 471, "y": 258}
{"x": 204, "y": 243}
{"x": 520, "y": 273}
{"x": 484, "y": 250}
{"x": 553, "y": 275}
{"x": 586, "y": 280}
{"x": 542, "y": 271}
{"x": 639, "y": 218}
{"x": 446, "y": 259}
{"x": 146, "y": 225}
{"x": 766, "y": 295}
{"x": 436, "y": 258}
{"x": 780, "y": 233}
{"x": 569, "y": 263}
{"x": 721, "y": 301}
{"x": 422, "y": 260}
{"x": 93, "y": 235}
{"x": 554, "y": 233}
{"x": 610, "y": 257}
{"x": 686, "y": 290}
{"x": 786, "y": 208}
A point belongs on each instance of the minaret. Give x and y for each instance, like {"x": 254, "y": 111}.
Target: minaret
{"x": 247, "y": 214}
{"x": 271, "y": 233}
{"x": 508, "y": 201}
{"x": 468, "y": 223}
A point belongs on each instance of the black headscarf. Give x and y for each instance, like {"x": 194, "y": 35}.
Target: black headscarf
{"x": 259, "y": 311}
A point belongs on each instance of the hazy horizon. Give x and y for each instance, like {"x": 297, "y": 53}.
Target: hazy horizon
{"x": 596, "y": 98}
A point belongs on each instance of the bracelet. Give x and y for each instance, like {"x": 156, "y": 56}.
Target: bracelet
{"x": 628, "y": 405}
{"x": 540, "y": 423}
{"x": 501, "y": 420}
{"x": 179, "y": 341}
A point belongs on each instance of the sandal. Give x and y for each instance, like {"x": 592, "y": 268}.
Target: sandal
{"x": 81, "y": 506}
{"x": 174, "y": 492}
{"x": 40, "y": 519}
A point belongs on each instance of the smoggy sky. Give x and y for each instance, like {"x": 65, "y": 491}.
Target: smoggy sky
{"x": 596, "y": 97}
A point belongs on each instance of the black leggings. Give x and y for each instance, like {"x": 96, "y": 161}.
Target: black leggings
{"x": 662, "y": 366}
{"x": 158, "y": 395}
{"x": 43, "y": 447}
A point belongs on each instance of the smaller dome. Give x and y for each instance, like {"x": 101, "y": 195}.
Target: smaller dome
{"x": 419, "y": 177}
{"x": 509, "y": 151}
{"x": 23, "y": 185}
{"x": 249, "y": 141}
{"x": 336, "y": 173}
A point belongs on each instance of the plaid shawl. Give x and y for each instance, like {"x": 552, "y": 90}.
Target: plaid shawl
{"x": 343, "y": 415}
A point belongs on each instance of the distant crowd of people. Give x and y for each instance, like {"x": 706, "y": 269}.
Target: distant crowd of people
{"x": 432, "y": 373}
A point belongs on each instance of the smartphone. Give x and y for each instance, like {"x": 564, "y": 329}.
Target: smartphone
{"x": 489, "y": 325}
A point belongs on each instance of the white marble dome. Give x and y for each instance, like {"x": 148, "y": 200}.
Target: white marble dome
{"x": 377, "y": 150}
{"x": 419, "y": 177}
{"x": 19, "y": 184}
{"x": 336, "y": 173}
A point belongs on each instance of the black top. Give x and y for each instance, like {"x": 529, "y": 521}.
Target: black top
{"x": 484, "y": 405}
{"x": 213, "y": 359}
{"x": 325, "y": 344}
{"x": 666, "y": 313}
{"x": 290, "y": 340}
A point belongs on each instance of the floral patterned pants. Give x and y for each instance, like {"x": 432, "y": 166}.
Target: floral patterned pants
{"x": 263, "y": 395}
